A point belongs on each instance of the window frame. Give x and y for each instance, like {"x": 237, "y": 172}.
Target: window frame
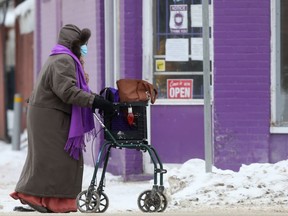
{"x": 148, "y": 55}
{"x": 275, "y": 65}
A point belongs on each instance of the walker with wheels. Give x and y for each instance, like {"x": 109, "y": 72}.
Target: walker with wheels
{"x": 127, "y": 128}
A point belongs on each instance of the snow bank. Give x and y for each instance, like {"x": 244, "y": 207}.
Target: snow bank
{"x": 254, "y": 185}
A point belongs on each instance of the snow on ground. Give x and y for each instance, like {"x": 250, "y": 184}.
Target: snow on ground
{"x": 256, "y": 185}
{"x": 122, "y": 196}
{"x": 188, "y": 188}
{"x": 259, "y": 186}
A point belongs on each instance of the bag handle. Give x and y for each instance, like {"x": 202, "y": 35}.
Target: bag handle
{"x": 151, "y": 90}
{"x": 102, "y": 91}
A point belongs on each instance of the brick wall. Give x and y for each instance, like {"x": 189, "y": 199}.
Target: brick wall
{"x": 100, "y": 42}
{"x": 131, "y": 39}
{"x": 241, "y": 82}
{"x": 131, "y": 64}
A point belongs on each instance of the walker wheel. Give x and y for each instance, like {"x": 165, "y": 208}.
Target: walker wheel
{"x": 149, "y": 201}
{"x": 88, "y": 203}
{"x": 163, "y": 202}
{"x": 104, "y": 202}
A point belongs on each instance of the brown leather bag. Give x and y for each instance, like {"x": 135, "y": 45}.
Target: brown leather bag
{"x": 131, "y": 90}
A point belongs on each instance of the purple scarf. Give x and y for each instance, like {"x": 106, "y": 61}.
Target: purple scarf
{"x": 82, "y": 121}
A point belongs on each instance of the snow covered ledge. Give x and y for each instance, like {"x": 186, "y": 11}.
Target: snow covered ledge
{"x": 26, "y": 12}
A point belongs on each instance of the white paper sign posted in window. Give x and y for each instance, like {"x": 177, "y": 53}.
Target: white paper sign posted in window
{"x": 177, "y": 49}
{"x": 196, "y": 15}
{"x": 197, "y": 48}
{"x": 178, "y": 18}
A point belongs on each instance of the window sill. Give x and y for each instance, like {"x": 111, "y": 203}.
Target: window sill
{"x": 279, "y": 130}
{"x": 179, "y": 102}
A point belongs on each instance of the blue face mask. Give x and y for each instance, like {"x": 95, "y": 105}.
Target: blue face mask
{"x": 84, "y": 50}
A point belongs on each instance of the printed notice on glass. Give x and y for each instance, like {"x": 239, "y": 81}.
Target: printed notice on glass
{"x": 196, "y": 15}
{"x": 177, "y": 49}
{"x": 178, "y": 22}
{"x": 197, "y": 49}
{"x": 160, "y": 65}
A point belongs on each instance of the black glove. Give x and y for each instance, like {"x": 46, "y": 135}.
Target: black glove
{"x": 102, "y": 104}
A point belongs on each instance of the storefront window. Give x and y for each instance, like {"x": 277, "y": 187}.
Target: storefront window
{"x": 279, "y": 75}
{"x": 284, "y": 61}
{"x": 178, "y": 49}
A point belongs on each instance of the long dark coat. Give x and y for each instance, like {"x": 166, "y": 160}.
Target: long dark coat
{"x": 49, "y": 171}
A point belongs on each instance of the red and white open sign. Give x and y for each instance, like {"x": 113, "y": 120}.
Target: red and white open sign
{"x": 180, "y": 88}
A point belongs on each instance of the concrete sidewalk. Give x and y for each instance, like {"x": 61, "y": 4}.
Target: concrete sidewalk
{"x": 215, "y": 212}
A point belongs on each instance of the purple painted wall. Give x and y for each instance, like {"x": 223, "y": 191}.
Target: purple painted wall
{"x": 177, "y": 132}
{"x": 129, "y": 162}
{"x": 131, "y": 39}
{"x": 174, "y": 145}
{"x": 100, "y": 43}
{"x": 241, "y": 109}
{"x": 47, "y": 35}
{"x": 54, "y": 14}
{"x": 278, "y": 147}
{"x": 241, "y": 82}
